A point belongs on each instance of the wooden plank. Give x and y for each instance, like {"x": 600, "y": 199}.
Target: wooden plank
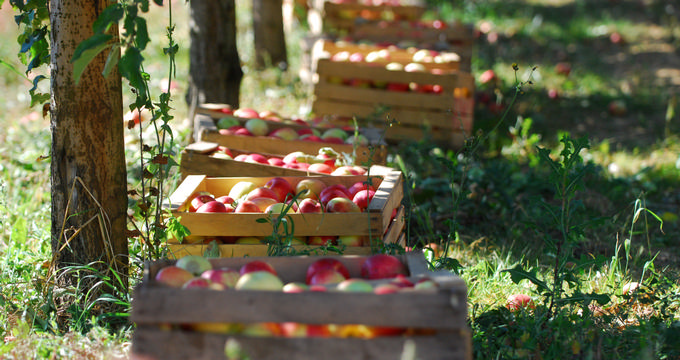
{"x": 170, "y": 345}
{"x": 402, "y": 116}
{"x": 248, "y": 250}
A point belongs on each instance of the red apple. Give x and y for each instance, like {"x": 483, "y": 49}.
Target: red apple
{"x": 241, "y": 157}
{"x": 257, "y": 159}
{"x": 327, "y": 194}
{"x": 174, "y": 276}
{"x": 309, "y": 205}
{"x": 263, "y": 191}
{"x": 401, "y": 281}
{"x": 325, "y": 263}
{"x": 359, "y": 185}
{"x": 382, "y": 266}
{"x": 212, "y": 207}
{"x": 487, "y": 76}
{"x": 341, "y": 205}
{"x": 225, "y": 199}
{"x": 386, "y": 288}
{"x": 320, "y": 168}
{"x": 247, "y": 113}
{"x": 519, "y": 301}
{"x": 295, "y": 287}
{"x": 326, "y": 277}
{"x": 263, "y": 203}
{"x": 311, "y": 138}
{"x": 247, "y": 206}
{"x": 257, "y": 265}
{"x": 350, "y": 240}
{"x": 224, "y": 276}
{"x": 281, "y": 187}
{"x": 320, "y": 240}
{"x": 292, "y": 158}
{"x": 563, "y": 68}
{"x": 363, "y": 198}
{"x": 199, "y": 282}
{"x": 199, "y": 200}
{"x": 274, "y": 161}
{"x": 243, "y": 132}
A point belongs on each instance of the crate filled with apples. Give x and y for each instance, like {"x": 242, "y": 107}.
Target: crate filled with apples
{"x": 246, "y": 129}
{"x": 416, "y": 96}
{"x": 237, "y": 215}
{"x": 338, "y": 17}
{"x": 211, "y": 159}
{"x": 331, "y": 307}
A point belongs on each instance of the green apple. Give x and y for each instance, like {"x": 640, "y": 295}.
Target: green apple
{"x": 227, "y": 122}
{"x": 194, "y": 264}
{"x": 259, "y": 280}
{"x": 241, "y": 189}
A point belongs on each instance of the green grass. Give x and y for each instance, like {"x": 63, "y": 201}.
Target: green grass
{"x": 487, "y": 206}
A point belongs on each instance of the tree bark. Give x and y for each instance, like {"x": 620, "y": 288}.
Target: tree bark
{"x": 88, "y": 174}
{"x": 269, "y": 37}
{"x": 215, "y": 68}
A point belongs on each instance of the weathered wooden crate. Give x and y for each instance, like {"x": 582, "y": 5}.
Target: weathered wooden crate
{"x": 379, "y": 221}
{"x": 375, "y": 153}
{"x": 339, "y": 19}
{"x": 447, "y": 115}
{"x": 197, "y": 159}
{"x": 161, "y": 314}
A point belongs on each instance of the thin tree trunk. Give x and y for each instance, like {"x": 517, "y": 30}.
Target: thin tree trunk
{"x": 215, "y": 68}
{"x": 269, "y": 37}
{"x": 88, "y": 174}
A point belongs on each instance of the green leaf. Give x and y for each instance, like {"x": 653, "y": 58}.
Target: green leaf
{"x": 19, "y": 230}
{"x": 130, "y": 68}
{"x": 36, "y": 80}
{"x": 517, "y": 274}
{"x": 110, "y": 16}
{"x": 86, "y": 51}
{"x": 213, "y": 250}
{"x": 112, "y": 60}
{"x": 142, "y": 34}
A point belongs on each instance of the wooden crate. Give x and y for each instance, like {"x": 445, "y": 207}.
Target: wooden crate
{"x": 160, "y": 314}
{"x": 377, "y": 222}
{"x": 376, "y": 153}
{"x": 448, "y": 115}
{"x": 197, "y": 159}
{"x": 339, "y": 19}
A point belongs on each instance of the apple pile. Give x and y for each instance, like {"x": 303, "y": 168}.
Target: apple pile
{"x": 311, "y": 196}
{"x": 382, "y": 57}
{"x": 249, "y": 122}
{"x": 327, "y": 161}
{"x": 379, "y": 274}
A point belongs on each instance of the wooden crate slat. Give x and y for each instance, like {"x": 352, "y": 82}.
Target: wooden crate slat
{"x": 403, "y": 100}
{"x": 176, "y": 345}
{"x": 404, "y": 117}
{"x": 251, "y": 250}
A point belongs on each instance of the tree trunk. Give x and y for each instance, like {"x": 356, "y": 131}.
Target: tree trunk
{"x": 270, "y": 41}
{"x": 88, "y": 174}
{"x": 215, "y": 68}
